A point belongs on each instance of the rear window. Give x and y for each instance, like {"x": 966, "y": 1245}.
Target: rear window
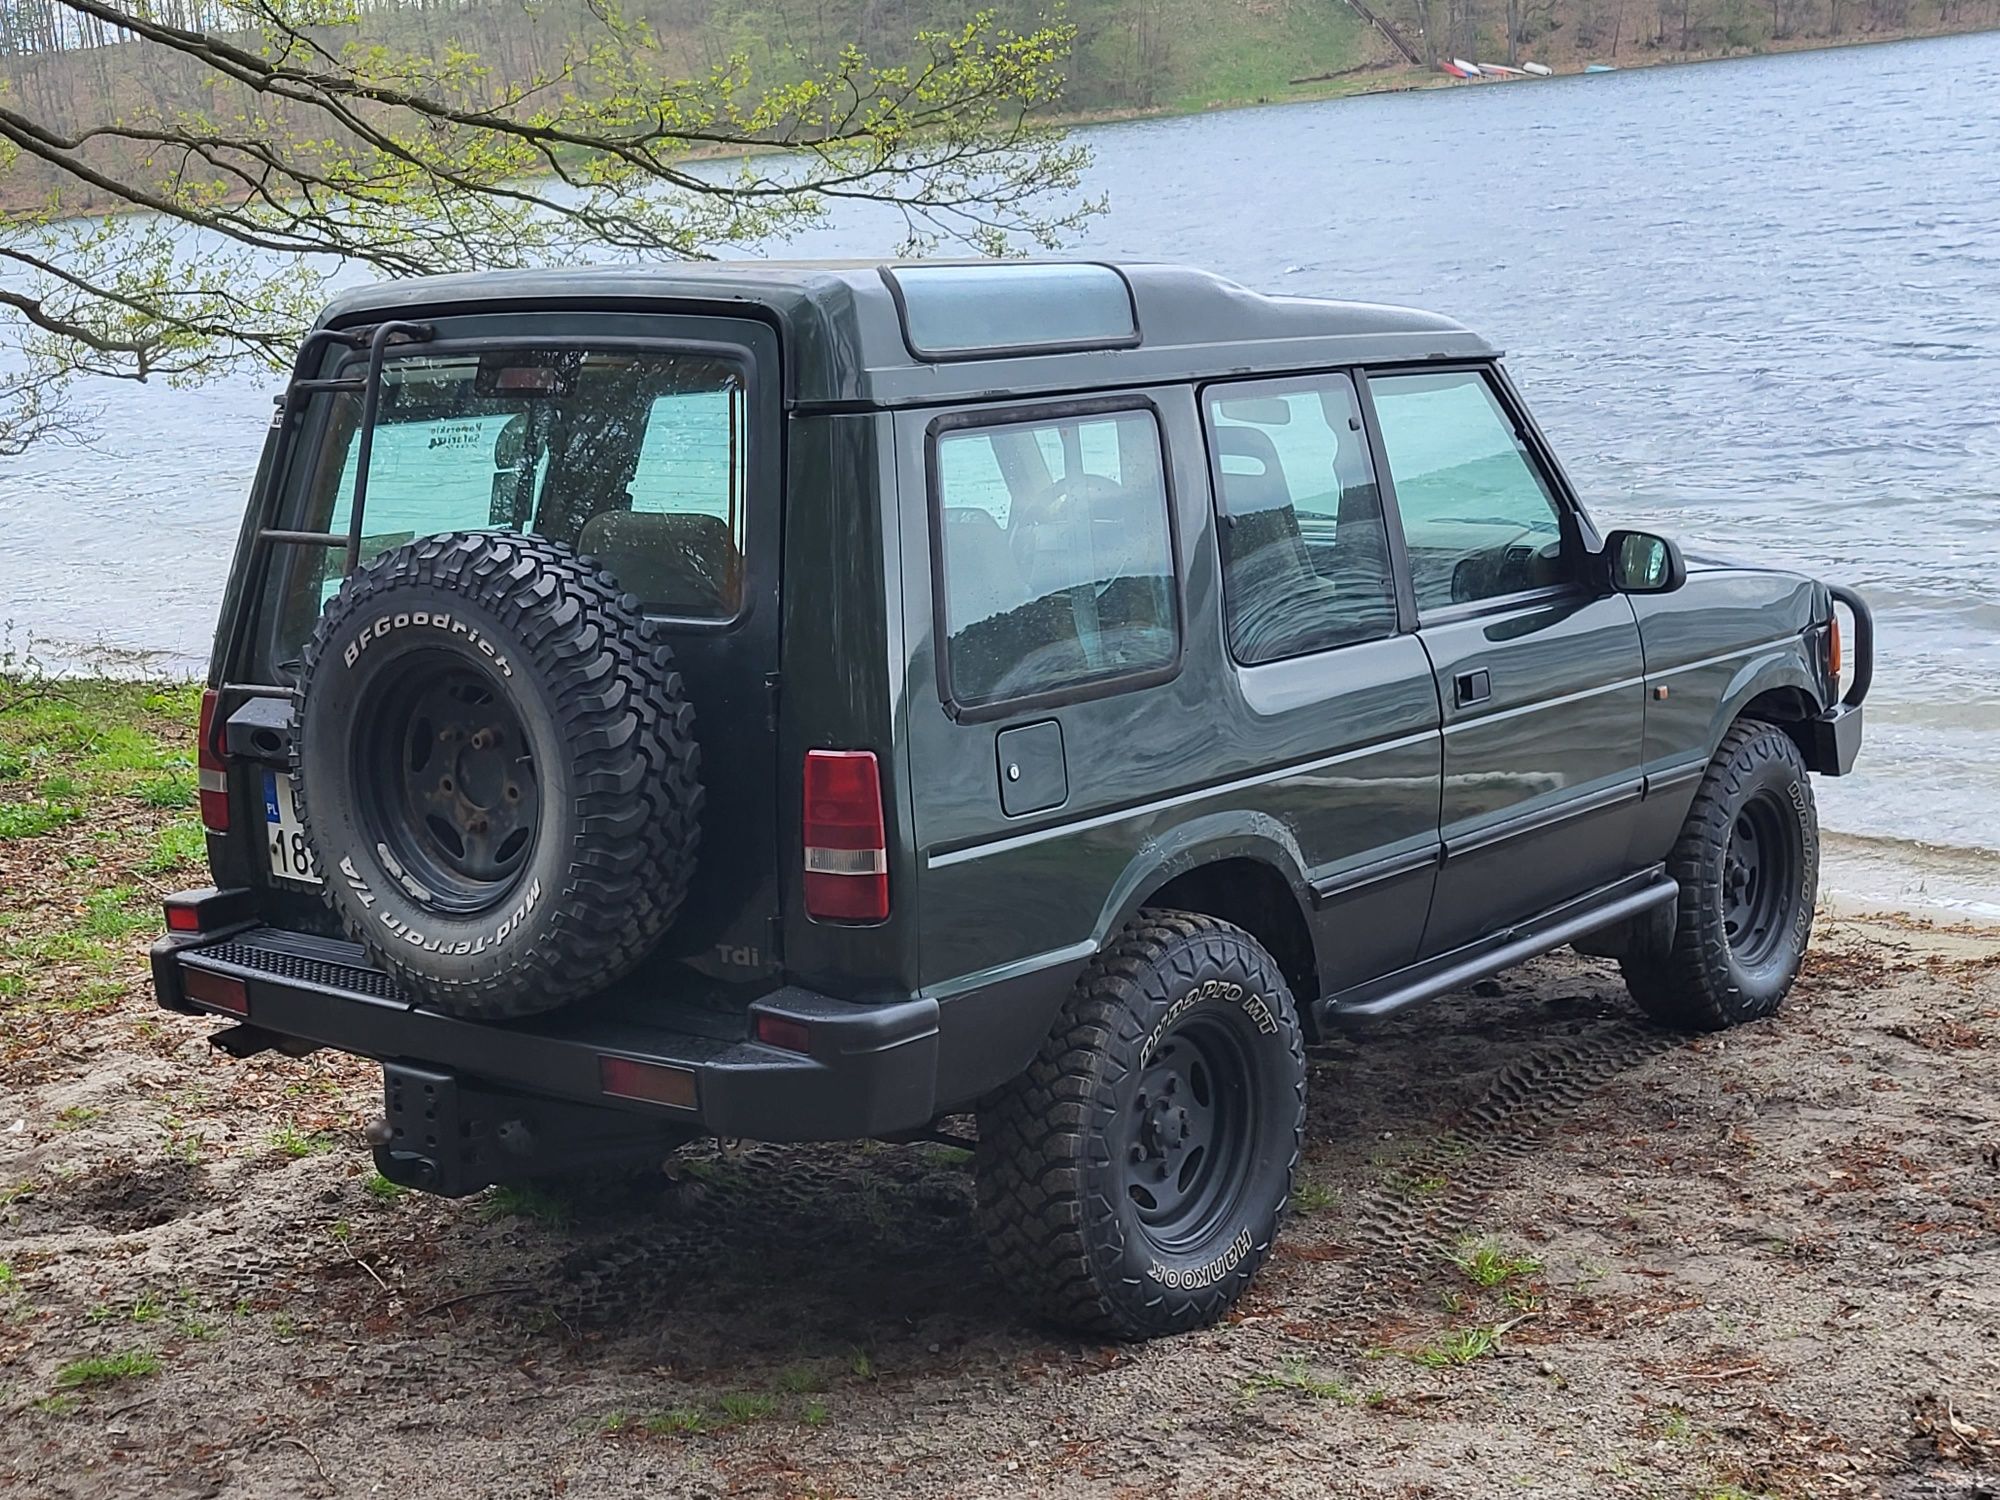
{"x": 636, "y": 459}
{"x": 1058, "y": 562}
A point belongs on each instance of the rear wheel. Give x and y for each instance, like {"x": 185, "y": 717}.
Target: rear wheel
{"x": 1747, "y": 861}
{"x": 1134, "y": 1178}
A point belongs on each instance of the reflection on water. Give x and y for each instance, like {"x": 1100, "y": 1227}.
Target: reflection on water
{"x": 1761, "y": 323}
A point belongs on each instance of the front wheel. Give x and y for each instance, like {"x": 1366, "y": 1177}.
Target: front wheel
{"x": 1134, "y": 1178}
{"x": 1747, "y": 860}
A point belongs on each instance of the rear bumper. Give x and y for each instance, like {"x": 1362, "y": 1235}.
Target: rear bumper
{"x": 870, "y": 1069}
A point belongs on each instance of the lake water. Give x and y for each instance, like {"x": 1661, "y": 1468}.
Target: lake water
{"x": 1756, "y": 305}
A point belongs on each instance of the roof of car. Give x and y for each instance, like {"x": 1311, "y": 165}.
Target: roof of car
{"x": 848, "y": 325}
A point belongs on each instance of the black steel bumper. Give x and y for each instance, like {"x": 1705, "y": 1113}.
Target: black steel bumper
{"x": 869, "y": 1069}
{"x": 1836, "y": 739}
{"x": 1836, "y": 734}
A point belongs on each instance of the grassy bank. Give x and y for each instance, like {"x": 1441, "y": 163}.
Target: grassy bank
{"x": 97, "y": 821}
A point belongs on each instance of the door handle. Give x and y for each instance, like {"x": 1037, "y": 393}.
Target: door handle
{"x": 1472, "y": 687}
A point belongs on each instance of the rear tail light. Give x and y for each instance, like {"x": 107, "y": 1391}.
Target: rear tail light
{"x": 1833, "y": 653}
{"x": 211, "y": 777}
{"x": 847, "y": 844}
{"x": 207, "y": 910}
{"x": 218, "y": 991}
{"x": 655, "y": 1083}
{"x": 782, "y": 1031}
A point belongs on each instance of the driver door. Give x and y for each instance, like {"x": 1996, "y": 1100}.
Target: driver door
{"x": 1539, "y": 676}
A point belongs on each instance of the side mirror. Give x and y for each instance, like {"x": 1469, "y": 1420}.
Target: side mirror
{"x": 1637, "y": 562}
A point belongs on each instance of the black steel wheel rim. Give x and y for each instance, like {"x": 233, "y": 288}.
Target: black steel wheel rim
{"x": 1188, "y": 1142}
{"x": 448, "y": 783}
{"x": 1760, "y": 871}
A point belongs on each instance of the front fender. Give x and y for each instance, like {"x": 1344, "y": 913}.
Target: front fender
{"x": 1782, "y": 670}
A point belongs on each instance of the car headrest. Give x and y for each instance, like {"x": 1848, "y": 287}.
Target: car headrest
{"x": 680, "y": 561}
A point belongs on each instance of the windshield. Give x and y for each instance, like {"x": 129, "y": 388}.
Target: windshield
{"x": 637, "y": 459}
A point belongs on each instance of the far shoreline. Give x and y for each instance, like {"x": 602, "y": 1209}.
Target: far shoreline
{"x": 1404, "y": 78}
{"x": 1365, "y": 80}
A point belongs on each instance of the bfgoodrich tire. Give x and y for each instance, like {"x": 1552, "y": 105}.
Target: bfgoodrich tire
{"x": 497, "y": 771}
{"x": 1131, "y": 1182}
{"x": 1747, "y": 860}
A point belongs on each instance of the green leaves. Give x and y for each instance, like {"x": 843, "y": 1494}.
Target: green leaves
{"x": 303, "y": 135}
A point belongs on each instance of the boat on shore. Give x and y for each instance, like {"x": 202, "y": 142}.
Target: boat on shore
{"x": 1599, "y": 68}
{"x": 1540, "y": 70}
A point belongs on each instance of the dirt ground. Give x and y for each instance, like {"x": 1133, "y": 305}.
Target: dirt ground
{"x": 1766, "y": 1264}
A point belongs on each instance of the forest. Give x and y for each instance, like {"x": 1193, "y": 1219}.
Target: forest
{"x": 66, "y": 63}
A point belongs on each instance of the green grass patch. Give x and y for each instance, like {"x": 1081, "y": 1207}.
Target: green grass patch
{"x": 12, "y": 986}
{"x": 1486, "y": 1264}
{"x": 1313, "y": 1198}
{"x": 947, "y": 1156}
{"x": 178, "y": 846}
{"x": 104, "y": 1369}
{"x": 89, "y": 998}
{"x": 731, "y": 1409}
{"x": 174, "y": 789}
{"x": 1293, "y": 1377}
{"x": 1461, "y": 1346}
{"x": 290, "y": 1141}
{"x": 29, "y": 820}
{"x": 381, "y": 1188}
{"x": 6, "y": 1273}
{"x": 804, "y": 1379}
{"x": 109, "y": 913}
{"x": 61, "y": 1404}
{"x": 524, "y": 1203}
{"x": 99, "y": 737}
{"x": 746, "y": 1406}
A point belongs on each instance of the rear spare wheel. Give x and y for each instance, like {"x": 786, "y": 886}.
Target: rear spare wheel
{"x": 497, "y": 771}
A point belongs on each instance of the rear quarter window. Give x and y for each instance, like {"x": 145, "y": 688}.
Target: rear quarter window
{"x": 1056, "y": 554}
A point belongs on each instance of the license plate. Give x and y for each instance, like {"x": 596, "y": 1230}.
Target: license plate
{"x": 291, "y": 859}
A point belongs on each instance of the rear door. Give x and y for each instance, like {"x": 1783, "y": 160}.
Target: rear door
{"x": 651, "y": 442}
{"x": 1539, "y": 676}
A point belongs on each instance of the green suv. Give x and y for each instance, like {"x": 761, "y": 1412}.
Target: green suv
{"x": 804, "y": 702}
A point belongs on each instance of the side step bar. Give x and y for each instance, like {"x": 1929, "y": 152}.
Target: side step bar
{"x": 1455, "y": 970}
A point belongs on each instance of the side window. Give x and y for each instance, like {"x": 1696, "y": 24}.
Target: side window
{"x": 1305, "y": 558}
{"x": 1477, "y": 514}
{"x": 1058, "y": 565}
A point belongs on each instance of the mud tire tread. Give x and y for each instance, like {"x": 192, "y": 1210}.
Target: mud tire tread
{"x": 1035, "y": 1134}
{"x": 1693, "y": 985}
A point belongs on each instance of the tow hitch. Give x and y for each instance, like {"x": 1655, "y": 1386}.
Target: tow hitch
{"x": 443, "y": 1134}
